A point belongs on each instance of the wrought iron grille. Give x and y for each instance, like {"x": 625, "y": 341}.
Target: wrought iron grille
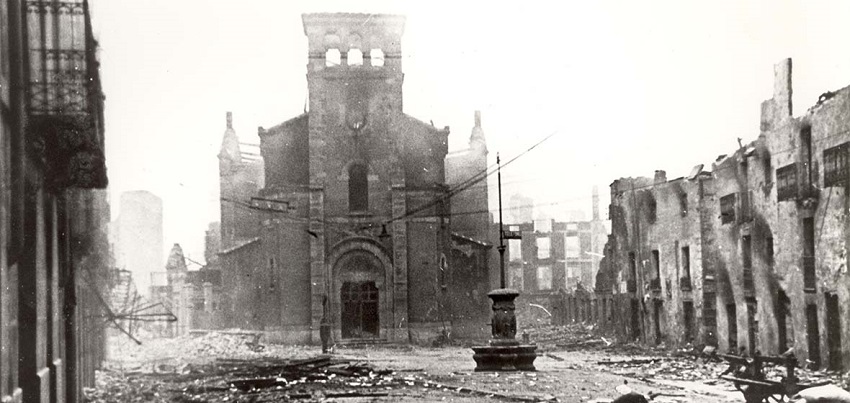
{"x": 58, "y": 57}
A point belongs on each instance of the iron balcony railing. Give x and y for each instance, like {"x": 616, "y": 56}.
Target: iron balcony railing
{"x": 59, "y": 46}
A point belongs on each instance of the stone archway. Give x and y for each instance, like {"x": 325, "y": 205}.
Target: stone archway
{"x": 361, "y": 290}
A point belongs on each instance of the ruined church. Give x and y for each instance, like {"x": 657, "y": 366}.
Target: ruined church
{"x": 352, "y": 212}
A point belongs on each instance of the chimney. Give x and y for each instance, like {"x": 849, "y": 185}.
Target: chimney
{"x": 595, "y": 203}
{"x": 229, "y": 120}
{"x": 660, "y": 176}
{"x": 782, "y": 90}
{"x": 477, "y": 118}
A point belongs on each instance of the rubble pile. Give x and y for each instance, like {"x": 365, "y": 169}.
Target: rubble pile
{"x": 260, "y": 379}
{"x": 669, "y": 368}
{"x": 168, "y": 354}
{"x": 572, "y": 336}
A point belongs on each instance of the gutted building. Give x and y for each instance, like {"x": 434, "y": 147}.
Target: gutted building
{"x": 553, "y": 257}
{"x": 750, "y": 257}
{"x": 351, "y": 222}
{"x": 654, "y": 265}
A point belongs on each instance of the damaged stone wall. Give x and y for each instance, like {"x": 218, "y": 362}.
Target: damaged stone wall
{"x": 767, "y": 232}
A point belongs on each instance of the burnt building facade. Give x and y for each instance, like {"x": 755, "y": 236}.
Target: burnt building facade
{"x": 54, "y": 251}
{"x": 352, "y": 221}
{"x": 750, "y": 256}
{"x": 553, "y": 258}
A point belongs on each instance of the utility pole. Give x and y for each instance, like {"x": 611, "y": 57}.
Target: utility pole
{"x": 504, "y": 353}
{"x": 501, "y": 247}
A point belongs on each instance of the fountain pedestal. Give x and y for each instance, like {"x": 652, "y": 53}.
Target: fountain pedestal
{"x": 504, "y": 353}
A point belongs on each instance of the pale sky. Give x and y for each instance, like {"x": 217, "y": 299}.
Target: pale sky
{"x": 630, "y": 86}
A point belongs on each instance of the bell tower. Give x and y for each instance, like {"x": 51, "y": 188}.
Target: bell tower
{"x": 354, "y": 81}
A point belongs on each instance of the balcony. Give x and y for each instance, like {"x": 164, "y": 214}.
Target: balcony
{"x": 64, "y": 98}
{"x": 685, "y": 284}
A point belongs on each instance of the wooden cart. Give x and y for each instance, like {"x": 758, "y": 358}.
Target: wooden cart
{"x": 747, "y": 374}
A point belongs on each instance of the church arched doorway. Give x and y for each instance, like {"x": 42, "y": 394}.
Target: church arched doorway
{"x": 359, "y": 299}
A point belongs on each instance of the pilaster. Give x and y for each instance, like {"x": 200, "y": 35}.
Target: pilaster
{"x": 318, "y": 270}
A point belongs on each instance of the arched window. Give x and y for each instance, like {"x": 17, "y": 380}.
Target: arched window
{"x": 355, "y": 57}
{"x": 358, "y": 188}
{"x": 332, "y": 58}
{"x": 377, "y": 57}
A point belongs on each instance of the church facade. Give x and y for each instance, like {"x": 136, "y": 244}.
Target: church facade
{"x": 347, "y": 215}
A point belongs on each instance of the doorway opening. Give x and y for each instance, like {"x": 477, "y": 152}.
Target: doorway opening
{"x": 833, "y": 331}
{"x": 635, "y": 319}
{"x": 813, "y": 334}
{"x": 784, "y": 323}
{"x": 359, "y": 302}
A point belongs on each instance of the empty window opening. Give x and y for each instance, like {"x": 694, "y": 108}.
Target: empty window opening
{"x": 768, "y": 250}
{"x": 732, "y": 328}
{"x": 543, "y": 226}
{"x": 752, "y": 327}
{"x": 809, "y": 277}
{"x": 767, "y": 169}
{"x": 515, "y": 278}
{"x": 806, "y": 150}
{"x": 572, "y": 247}
{"x": 833, "y": 331}
{"x": 543, "y": 248}
{"x": 355, "y": 57}
{"x": 333, "y": 58}
{"x": 377, "y": 57}
{"x": 784, "y": 323}
{"x": 686, "y": 262}
{"x": 835, "y": 165}
{"x": 747, "y": 206}
{"x": 683, "y": 204}
{"x": 635, "y": 319}
{"x": 656, "y": 319}
{"x": 358, "y": 188}
{"x": 727, "y": 209}
{"x": 813, "y": 335}
{"x": 544, "y": 278}
{"x": 515, "y": 250}
{"x": 655, "y": 284}
{"x": 786, "y": 183}
{"x": 747, "y": 262}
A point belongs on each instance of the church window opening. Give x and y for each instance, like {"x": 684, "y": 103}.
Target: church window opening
{"x": 332, "y": 58}
{"x": 358, "y": 188}
{"x": 377, "y": 57}
{"x": 355, "y": 57}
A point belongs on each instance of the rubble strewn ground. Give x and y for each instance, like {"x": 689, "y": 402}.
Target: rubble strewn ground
{"x": 573, "y": 366}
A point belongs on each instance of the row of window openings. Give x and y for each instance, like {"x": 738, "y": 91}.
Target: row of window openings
{"x": 746, "y": 261}
{"x": 544, "y": 276}
{"x": 836, "y": 161}
{"x": 354, "y": 57}
{"x": 572, "y": 248}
